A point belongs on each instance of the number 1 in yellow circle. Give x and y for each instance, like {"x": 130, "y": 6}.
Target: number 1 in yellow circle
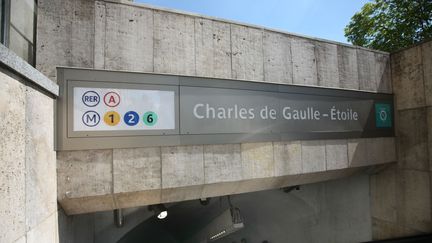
{"x": 112, "y": 118}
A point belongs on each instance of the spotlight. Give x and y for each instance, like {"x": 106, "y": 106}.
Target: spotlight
{"x": 228, "y": 222}
{"x": 159, "y": 210}
{"x": 204, "y": 201}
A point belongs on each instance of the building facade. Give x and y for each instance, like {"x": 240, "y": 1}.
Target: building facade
{"x": 389, "y": 175}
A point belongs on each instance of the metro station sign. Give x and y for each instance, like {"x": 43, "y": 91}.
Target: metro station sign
{"x": 106, "y": 109}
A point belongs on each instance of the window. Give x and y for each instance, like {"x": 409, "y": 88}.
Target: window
{"x": 18, "y": 19}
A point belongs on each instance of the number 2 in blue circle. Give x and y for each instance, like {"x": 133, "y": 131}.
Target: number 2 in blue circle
{"x": 131, "y": 118}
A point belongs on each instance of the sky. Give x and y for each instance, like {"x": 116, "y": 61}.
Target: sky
{"x": 316, "y": 18}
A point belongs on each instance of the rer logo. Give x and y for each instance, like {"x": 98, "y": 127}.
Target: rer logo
{"x": 91, "y": 98}
{"x": 383, "y": 115}
{"x": 91, "y": 118}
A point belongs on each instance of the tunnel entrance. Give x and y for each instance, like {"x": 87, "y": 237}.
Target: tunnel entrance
{"x": 327, "y": 212}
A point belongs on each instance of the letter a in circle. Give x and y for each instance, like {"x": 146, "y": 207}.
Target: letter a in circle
{"x": 112, "y": 99}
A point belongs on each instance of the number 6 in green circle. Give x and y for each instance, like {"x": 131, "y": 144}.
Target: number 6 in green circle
{"x": 150, "y": 118}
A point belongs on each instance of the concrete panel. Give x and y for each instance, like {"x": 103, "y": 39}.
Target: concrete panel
{"x": 347, "y": 66}
{"x": 212, "y": 48}
{"x": 357, "y": 152}
{"x": 65, "y": 35}
{"x": 381, "y": 150}
{"x": 415, "y": 202}
{"x": 222, "y": 163}
{"x": 88, "y": 204}
{"x": 429, "y": 121}
{"x": 257, "y": 160}
{"x": 427, "y": 71}
{"x": 412, "y": 133}
{"x": 313, "y": 156}
{"x": 137, "y": 169}
{"x": 182, "y": 166}
{"x": 174, "y": 48}
{"x": 84, "y": 173}
{"x": 327, "y": 64}
{"x": 259, "y": 184}
{"x": 46, "y": 231}
{"x": 277, "y": 58}
{"x": 366, "y": 70}
{"x": 383, "y": 195}
{"x": 407, "y": 75}
{"x": 219, "y": 189}
{"x": 383, "y": 72}
{"x": 99, "y": 35}
{"x": 288, "y": 158}
{"x": 137, "y": 199}
{"x": 304, "y": 61}
{"x": 336, "y": 154}
{"x": 12, "y": 159}
{"x": 247, "y": 53}
{"x": 181, "y": 193}
{"x": 82, "y": 34}
{"x": 128, "y": 38}
{"x": 53, "y": 34}
{"x": 41, "y": 174}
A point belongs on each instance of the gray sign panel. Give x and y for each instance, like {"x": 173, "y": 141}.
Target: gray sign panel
{"x": 211, "y": 111}
{"x": 215, "y": 110}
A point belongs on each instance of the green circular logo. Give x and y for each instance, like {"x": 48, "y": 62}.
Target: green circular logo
{"x": 150, "y": 118}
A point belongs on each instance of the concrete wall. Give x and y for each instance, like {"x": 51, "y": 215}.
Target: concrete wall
{"x": 401, "y": 195}
{"x": 28, "y": 182}
{"x": 119, "y": 35}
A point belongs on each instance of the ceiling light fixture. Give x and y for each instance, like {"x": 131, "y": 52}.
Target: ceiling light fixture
{"x": 159, "y": 210}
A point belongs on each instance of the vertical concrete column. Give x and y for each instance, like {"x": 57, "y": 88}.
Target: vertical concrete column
{"x": 401, "y": 195}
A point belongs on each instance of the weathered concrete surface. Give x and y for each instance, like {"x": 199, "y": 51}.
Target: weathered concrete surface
{"x": 46, "y": 231}
{"x": 133, "y": 28}
{"x": 135, "y": 168}
{"x": 407, "y": 77}
{"x": 174, "y": 50}
{"x": 336, "y": 154}
{"x": 84, "y": 173}
{"x": 383, "y": 73}
{"x": 212, "y": 48}
{"x": 125, "y": 36}
{"x": 247, "y": 53}
{"x": 222, "y": 163}
{"x": 27, "y": 160}
{"x": 182, "y": 166}
{"x": 412, "y": 139}
{"x": 12, "y": 159}
{"x": 313, "y": 156}
{"x": 347, "y": 66}
{"x": 401, "y": 194}
{"x": 327, "y": 65}
{"x": 304, "y": 62}
{"x": 40, "y": 162}
{"x": 145, "y": 176}
{"x": 278, "y": 66}
{"x": 366, "y": 70}
{"x": 257, "y": 160}
{"x": 287, "y": 158}
{"x": 65, "y": 35}
{"x": 427, "y": 71}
